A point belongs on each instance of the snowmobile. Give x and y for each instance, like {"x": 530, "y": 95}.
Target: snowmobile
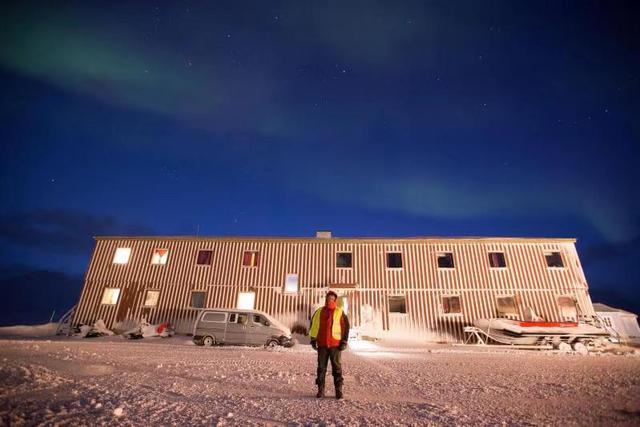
{"x": 146, "y": 330}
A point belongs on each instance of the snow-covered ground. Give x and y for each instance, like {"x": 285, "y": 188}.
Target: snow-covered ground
{"x": 112, "y": 381}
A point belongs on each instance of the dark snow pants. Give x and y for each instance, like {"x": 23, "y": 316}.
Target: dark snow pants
{"x": 324, "y": 355}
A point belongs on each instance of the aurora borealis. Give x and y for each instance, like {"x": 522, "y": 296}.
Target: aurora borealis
{"x": 281, "y": 118}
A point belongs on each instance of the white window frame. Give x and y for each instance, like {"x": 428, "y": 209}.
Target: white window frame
{"x": 122, "y": 256}
{"x": 146, "y": 293}
{"x": 255, "y": 258}
{"x": 451, "y": 296}
{"x": 546, "y": 264}
{"x": 104, "y": 292}
{"x": 198, "y": 256}
{"x": 154, "y": 254}
{"x": 289, "y": 279}
{"x": 497, "y": 268}
{"x": 386, "y": 260}
{"x": 453, "y": 259}
{"x": 344, "y": 252}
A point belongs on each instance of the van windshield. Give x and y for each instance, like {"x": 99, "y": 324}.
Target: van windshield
{"x": 276, "y": 324}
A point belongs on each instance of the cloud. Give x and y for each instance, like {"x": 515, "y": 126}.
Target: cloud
{"x": 29, "y": 295}
{"x": 64, "y": 231}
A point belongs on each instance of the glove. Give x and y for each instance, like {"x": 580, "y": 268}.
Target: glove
{"x": 314, "y": 344}
{"x": 342, "y": 346}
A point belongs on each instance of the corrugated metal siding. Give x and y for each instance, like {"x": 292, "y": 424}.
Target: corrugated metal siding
{"x": 420, "y": 280}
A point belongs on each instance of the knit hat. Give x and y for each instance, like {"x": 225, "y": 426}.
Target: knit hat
{"x": 332, "y": 293}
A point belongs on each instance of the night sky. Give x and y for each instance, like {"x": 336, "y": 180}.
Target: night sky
{"x": 365, "y": 118}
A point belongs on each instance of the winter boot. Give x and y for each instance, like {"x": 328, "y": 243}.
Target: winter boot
{"x": 338, "y": 391}
{"x": 320, "y": 391}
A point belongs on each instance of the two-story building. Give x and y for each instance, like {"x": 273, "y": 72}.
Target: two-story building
{"x": 426, "y": 287}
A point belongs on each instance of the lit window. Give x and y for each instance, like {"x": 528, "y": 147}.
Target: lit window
{"x": 246, "y": 300}
{"x": 497, "y": 260}
{"x": 507, "y": 306}
{"x": 291, "y": 284}
{"x": 451, "y": 305}
{"x": 250, "y": 258}
{"x": 151, "y": 298}
{"x": 204, "y": 257}
{"x": 554, "y": 259}
{"x": 197, "y": 299}
{"x": 122, "y": 256}
{"x": 343, "y": 260}
{"x": 397, "y": 304}
{"x": 445, "y": 260}
{"x": 160, "y": 256}
{"x": 110, "y": 296}
{"x": 394, "y": 260}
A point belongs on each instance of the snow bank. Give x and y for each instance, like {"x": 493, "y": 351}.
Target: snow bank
{"x": 29, "y": 331}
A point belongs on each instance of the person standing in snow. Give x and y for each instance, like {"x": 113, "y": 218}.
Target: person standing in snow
{"x": 329, "y": 334}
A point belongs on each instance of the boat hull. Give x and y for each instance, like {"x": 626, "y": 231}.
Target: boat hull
{"x": 531, "y": 333}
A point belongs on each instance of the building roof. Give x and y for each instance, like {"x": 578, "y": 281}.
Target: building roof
{"x": 603, "y": 308}
{"x": 439, "y": 239}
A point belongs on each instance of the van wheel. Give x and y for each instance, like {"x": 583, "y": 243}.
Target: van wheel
{"x": 208, "y": 341}
{"x": 272, "y": 344}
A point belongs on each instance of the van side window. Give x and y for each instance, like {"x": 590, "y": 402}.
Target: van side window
{"x": 259, "y": 320}
{"x": 233, "y": 317}
{"x": 214, "y": 317}
{"x": 243, "y": 318}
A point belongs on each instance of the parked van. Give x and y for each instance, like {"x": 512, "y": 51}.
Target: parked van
{"x": 239, "y": 327}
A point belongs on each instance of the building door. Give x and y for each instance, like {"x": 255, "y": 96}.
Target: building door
{"x": 127, "y": 305}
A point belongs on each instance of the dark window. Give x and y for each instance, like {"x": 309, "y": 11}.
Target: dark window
{"x": 197, "y": 299}
{"x": 554, "y": 259}
{"x": 394, "y": 260}
{"x": 250, "y": 258}
{"x": 445, "y": 260}
{"x": 343, "y": 259}
{"x": 204, "y": 257}
{"x": 451, "y": 305}
{"x": 397, "y": 304}
{"x": 496, "y": 259}
{"x": 214, "y": 317}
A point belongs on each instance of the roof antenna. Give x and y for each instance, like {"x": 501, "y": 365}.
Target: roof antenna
{"x": 197, "y": 230}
